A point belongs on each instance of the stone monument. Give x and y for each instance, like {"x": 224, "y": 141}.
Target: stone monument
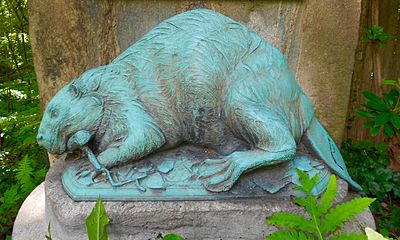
{"x": 201, "y": 108}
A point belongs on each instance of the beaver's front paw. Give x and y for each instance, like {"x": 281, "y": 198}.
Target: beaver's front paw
{"x": 88, "y": 171}
{"x": 219, "y": 175}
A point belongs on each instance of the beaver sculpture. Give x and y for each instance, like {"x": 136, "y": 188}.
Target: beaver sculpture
{"x": 198, "y": 77}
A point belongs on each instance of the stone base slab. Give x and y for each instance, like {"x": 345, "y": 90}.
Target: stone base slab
{"x": 171, "y": 175}
{"x": 31, "y": 222}
{"x": 228, "y": 220}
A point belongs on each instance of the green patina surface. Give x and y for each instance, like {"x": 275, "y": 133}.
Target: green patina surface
{"x": 199, "y": 78}
{"x": 172, "y": 175}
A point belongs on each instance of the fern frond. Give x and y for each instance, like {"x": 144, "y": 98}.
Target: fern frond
{"x": 351, "y": 236}
{"x": 320, "y": 223}
{"x": 309, "y": 202}
{"x": 307, "y": 183}
{"x": 292, "y": 221}
{"x": 289, "y": 235}
{"x": 328, "y": 197}
{"x": 302, "y": 201}
{"x": 343, "y": 212}
{"x": 24, "y": 174}
{"x": 40, "y": 174}
{"x": 10, "y": 198}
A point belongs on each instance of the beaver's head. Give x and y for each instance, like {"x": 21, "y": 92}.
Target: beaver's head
{"x": 71, "y": 110}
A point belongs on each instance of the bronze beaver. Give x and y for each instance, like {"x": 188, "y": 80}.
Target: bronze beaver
{"x": 198, "y": 77}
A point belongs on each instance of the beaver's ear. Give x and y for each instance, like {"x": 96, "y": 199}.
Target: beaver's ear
{"x": 75, "y": 90}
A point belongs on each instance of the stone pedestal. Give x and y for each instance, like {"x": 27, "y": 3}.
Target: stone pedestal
{"x": 234, "y": 219}
{"x": 31, "y": 222}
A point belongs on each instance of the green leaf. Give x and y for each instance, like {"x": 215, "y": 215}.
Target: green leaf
{"x": 382, "y": 118}
{"x": 375, "y": 130}
{"x": 384, "y": 35}
{"x": 395, "y": 94}
{"x": 344, "y": 212}
{"x": 365, "y": 114}
{"x": 172, "y": 237}
{"x": 369, "y": 34}
{"x": 307, "y": 184}
{"x": 395, "y": 120}
{"x": 25, "y": 174}
{"x": 328, "y": 197}
{"x": 365, "y": 40}
{"x": 372, "y": 97}
{"x": 389, "y": 82}
{"x": 377, "y": 29}
{"x": 11, "y": 198}
{"x": 388, "y": 131}
{"x": 369, "y": 124}
{"x": 391, "y": 102}
{"x": 288, "y": 235}
{"x": 292, "y": 221}
{"x": 48, "y": 237}
{"x": 351, "y": 236}
{"x": 380, "y": 107}
{"x": 96, "y": 223}
{"x": 302, "y": 201}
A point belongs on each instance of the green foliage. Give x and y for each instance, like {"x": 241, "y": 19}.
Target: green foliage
{"x": 289, "y": 235}
{"x": 383, "y": 112}
{"x": 48, "y": 237}
{"x": 323, "y": 221}
{"x": 97, "y": 222}
{"x": 23, "y": 164}
{"x": 351, "y": 236}
{"x": 375, "y": 34}
{"x": 367, "y": 164}
{"x": 172, "y": 237}
{"x": 22, "y": 180}
{"x": 344, "y": 212}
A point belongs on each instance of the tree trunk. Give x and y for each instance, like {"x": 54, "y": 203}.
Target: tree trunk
{"x": 373, "y": 63}
{"x": 394, "y": 152}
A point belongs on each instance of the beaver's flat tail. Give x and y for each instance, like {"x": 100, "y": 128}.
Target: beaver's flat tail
{"x": 318, "y": 140}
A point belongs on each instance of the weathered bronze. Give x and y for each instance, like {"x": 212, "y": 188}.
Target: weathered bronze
{"x": 198, "y": 78}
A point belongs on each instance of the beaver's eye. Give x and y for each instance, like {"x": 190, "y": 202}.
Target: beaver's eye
{"x": 54, "y": 114}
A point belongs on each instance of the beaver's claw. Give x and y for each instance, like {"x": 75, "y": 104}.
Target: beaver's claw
{"x": 87, "y": 170}
{"x": 219, "y": 175}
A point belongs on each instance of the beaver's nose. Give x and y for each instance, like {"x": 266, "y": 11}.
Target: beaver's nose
{"x": 39, "y": 139}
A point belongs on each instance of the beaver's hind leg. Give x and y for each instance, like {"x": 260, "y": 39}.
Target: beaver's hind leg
{"x": 270, "y": 139}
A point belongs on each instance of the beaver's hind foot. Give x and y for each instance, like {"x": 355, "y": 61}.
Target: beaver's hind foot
{"x": 219, "y": 175}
